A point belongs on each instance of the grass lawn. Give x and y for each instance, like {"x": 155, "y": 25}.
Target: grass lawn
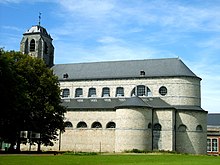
{"x": 137, "y": 159}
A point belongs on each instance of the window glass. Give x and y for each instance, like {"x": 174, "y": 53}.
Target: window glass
{"x": 157, "y": 127}
{"x": 163, "y": 90}
{"x": 149, "y": 125}
{"x": 182, "y": 128}
{"x": 45, "y": 48}
{"x": 81, "y": 124}
{"x": 199, "y": 128}
{"x": 96, "y": 125}
{"x": 66, "y": 93}
{"x": 111, "y": 125}
{"x": 79, "y": 92}
{"x": 119, "y": 91}
{"x": 105, "y": 92}
{"x": 68, "y": 124}
{"x": 208, "y": 144}
{"x": 92, "y": 92}
{"x": 214, "y": 145}
{"x": 32, "y": 45}
{"x": 141, "y": 90}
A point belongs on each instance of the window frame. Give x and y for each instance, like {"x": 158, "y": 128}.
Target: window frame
{"x": 199, "y": 128}
{"x": 215, "y": 145}
{"x": 163, "y": 91}
{"x": 106, "y": 92}
{"x": 65, "y": 93}
{"x": 157, "y": 127}
{"x": 182, "y": 128}
{"x": 211, "y": 145}
{"x": 92, "y": 92}
{"x": 119, "y": 92}
{"x": 111, "y": 125}
{"x": 68, "y": 124}
{"x": 78, "y": 92}
{"x": 81, "y": 125}
{"x": 94, "y": 125}
{"x": 32, "y": 45}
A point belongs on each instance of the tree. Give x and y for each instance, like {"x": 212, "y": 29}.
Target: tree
{"x": 31, "y": 97}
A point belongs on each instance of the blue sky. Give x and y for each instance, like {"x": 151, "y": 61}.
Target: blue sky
{"x": 104, "y": 30}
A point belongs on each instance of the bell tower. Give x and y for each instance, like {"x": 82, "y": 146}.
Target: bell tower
{"x": 36, "y": 42}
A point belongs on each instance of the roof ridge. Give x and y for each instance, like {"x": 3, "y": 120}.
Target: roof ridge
{"x": 112, "y": 61}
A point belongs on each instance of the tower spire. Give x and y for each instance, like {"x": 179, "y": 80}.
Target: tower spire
{"x": 39, "y": 18}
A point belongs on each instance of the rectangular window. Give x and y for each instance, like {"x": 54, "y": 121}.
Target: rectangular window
{"x": 92, "y": 92}
{"x": 209, "y": 145}
{"x": 141, "y": 90}
{"x": 105, "y": 92}
{"x": 66, "y": 93}
{"x": 79, "y": 92}
{"x": 214, "y": 145}
{"x": 119, "y": 91}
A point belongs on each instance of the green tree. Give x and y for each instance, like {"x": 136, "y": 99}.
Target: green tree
{"x": 30, "y": 95}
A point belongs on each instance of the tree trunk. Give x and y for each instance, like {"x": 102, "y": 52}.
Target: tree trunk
{"x": 38, "y": 147}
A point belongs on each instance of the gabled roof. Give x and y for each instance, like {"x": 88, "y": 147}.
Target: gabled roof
{"x": 168, "y": 67}
{"x": 213, "y": 119}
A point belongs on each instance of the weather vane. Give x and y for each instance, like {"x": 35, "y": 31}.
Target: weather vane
{"x": 39, "y": 18}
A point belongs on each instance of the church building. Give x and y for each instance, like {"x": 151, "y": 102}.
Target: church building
{"x": 117, "y": 106}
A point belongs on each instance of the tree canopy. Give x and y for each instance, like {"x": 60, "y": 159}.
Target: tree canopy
{"x": 29, "y": 99}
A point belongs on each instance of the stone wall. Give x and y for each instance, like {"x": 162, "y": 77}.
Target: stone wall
{"x": 132, "y": 130}
{"x": 180, "y": 90}
{"x": 192, "y": 139}
{"x": 164, "y": 139}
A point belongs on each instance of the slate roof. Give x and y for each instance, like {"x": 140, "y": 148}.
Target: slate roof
{"x": 213, "y": 119}
{"x": 120, "y": 102}
{"x": 168, "y": 67}
{"x": 134, "y": 102}
{"x": 36, "y": 29}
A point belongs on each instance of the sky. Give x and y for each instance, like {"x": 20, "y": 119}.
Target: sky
{"x": 109, "y": 30}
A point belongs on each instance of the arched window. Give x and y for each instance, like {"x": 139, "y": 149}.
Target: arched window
{"x": 182, "y": 128}
{"x": 79, "y": 92}
{"x": 68, "y": 124}
{"x": 96, "y": 125}
{"x": 149, "y": 126}
{"x": 119, "y": 91}
{"x": 32, "y": 45}
{"x": 157, "y": 127}
{"x": 81, "y": 124}
{"x": 92, "y": 92}
{"x": 105, "y": 92}
{"x": 141, "y": 90}
{"x": 65, "y": 92}
{"x": 199, "y": 128}
{"x": 111, "y": 124}
{"x": 45, "y": 48}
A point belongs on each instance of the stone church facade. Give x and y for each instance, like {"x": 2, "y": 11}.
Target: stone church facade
{"x": 114, "y": 106}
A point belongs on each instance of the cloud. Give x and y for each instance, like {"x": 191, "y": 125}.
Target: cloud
{"x": 11, "y": 28}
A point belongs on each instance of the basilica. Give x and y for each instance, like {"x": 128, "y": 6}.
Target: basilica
{"x": 118, "y": 106}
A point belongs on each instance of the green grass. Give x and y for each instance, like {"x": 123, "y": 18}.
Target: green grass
{"x": 137, "y": 159}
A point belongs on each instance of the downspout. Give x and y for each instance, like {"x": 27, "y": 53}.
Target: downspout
{"x": 152, "y": 134}
{"x": 175, "y": 130}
